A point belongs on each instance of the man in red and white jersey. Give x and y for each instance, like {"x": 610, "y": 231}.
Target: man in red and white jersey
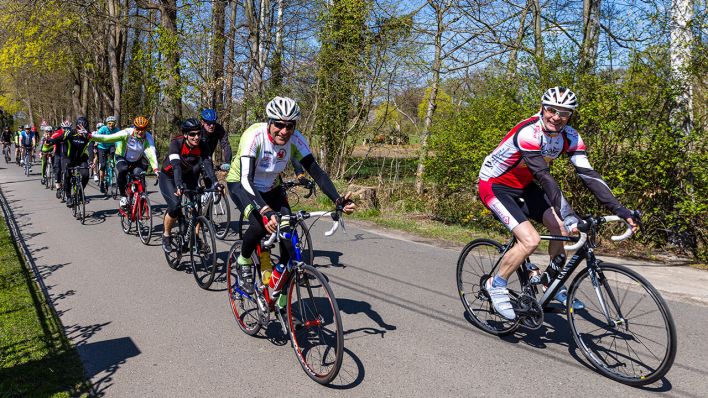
{"x": 516, "y": 184}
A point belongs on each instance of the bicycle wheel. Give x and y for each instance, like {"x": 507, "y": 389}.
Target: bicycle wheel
{"x": 474, "y": 267}
{"x": 220, "y": 215}
{"x": 315, "y": 324}
{"x": 202, "y": 253}
{"x": 144, "y": 219}
{"x": 174, "y": 257}
{"x": 126, "y": 222}
{"x": 74, "y": 197}
{"x": 81, "y": 204}
{"x": 244, "y": 307}
{"x": 636, "y": 345}
{"x": 305, "y": 240}
{"x": 111, "y": 184}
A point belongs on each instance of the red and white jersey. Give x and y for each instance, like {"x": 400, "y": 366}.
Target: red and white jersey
{"x": 506, "y": 166}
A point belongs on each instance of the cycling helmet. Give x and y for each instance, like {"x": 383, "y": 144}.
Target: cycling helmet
{"x": 141, "y": 123}
{"x": 560, "y": 96}
{"x": 26, "y": 127}
{"x": 283, "y": 108}
{"x": 190, "y": 125}
{"x": 99, "y": 125}
{"x": 47, "y": 128}
{"x": 66, "y": 124}
{"x": 81, "y": 121}
{"x": 33, "y": 129}
{"x": 111, "y": 119}
{"x": 209, "y": 115}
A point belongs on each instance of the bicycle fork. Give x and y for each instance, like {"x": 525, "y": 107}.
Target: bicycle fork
{"x": 598, "y": 281}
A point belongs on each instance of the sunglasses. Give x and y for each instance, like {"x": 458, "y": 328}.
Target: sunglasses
{"x": 283, "y": 125}
{"x": 193, "y": 134}
{"x": 553, "y": 111}
{"x": 208, "y": 123}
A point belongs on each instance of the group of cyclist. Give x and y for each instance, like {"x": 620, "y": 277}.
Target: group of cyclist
{"x": 514, "y": 181}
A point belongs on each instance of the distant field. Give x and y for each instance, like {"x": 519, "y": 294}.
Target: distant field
{"x": 387, "y": 151}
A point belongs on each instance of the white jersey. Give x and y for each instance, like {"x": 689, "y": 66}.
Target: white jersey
{"x": 271, "y": 159}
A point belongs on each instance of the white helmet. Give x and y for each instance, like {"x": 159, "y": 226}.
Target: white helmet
{"x": 47, "y": 127}
{"x": 99, "y": 125}
{"x": 560, "y": 96}
{"x": 283, "y": 108}
{"x": 111, "y": 119}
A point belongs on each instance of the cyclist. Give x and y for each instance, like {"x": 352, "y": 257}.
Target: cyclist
{"x": 74, "y": 154}
{"x": 507, "y": 176}
{"x": 33, "y": 130}
{"x": 264, "y": 151}
{"x": 27, "y": 142}
{"x": 16, "y": 140}
{"x": 47, "y": 150}
{"x": 93, "y": 157}
{"x": 107, "y": 149}
{"x": 181, "y": 169}
{"x": 134, "y": 148}
{"x": 56, "y": 139}
{"x": 6, "y": 140}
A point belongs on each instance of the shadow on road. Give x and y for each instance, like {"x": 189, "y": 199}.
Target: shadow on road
{"x": 103, "y": 359}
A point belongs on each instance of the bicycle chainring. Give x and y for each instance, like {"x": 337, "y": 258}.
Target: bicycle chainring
{"x": 529, "y": 311}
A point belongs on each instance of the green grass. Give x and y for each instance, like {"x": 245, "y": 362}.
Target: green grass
{"x": 36, "y": 359}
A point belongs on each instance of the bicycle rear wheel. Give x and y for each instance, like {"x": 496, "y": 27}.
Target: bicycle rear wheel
{"x": 74, "y": 197}
{"x": 220, "y": 215}
{"x": 637, "y": 344}
{"x": 144, "y": 219}
{"x": 315, "y": 325}
{"x": 202, "y": 253}
{"x": 474, "y": 267}
{"x": 244, "y": 307}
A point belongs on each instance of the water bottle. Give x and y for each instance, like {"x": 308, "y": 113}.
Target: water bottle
{"x": 278, "y": 272}
{"x": 534, "y": 273}
{"x": 266, "y": 266}
{"x": 553, "y": 269}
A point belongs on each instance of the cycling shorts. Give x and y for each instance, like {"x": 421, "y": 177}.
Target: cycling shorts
{"x": 512, "y": 206}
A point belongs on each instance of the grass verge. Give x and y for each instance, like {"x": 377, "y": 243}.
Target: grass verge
{"x": 36, "y": 359}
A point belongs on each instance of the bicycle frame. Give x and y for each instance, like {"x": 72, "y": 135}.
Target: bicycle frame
{"x": 136, "y": 208}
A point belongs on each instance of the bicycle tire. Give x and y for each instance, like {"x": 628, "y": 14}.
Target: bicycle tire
{"x": 305, "y": 240}
{"x": 27, "y": 165}
{"x": 202, "y": 257}
{"x": 74, "y": 197}
{"x": 144, "y": 219}
{"x": 474, "y": 267}
{"x": 307, "y": 321}
{"x": 174, "y": 257}
{"x": 220, "y": 216}
{"x": 126, "y": 222}
{"x": 622, "y": 287}
{"x": 244, "y": 307}
{"x": 81, "y": 205}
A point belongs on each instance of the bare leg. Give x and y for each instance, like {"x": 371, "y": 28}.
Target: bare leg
{"x": 527, "y": 241}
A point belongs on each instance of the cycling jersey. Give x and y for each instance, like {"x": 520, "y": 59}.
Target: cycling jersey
{"x": 271, "y": 159}
{"x": 527, "y": 152}
{"x": 104, "y": 130}
{"x": 6, "y": 137}
{"x": 129, "y": 146}
{"x": 184, "y": 163}
{"x": 218, "y": 137}
{"x": 75, "y": 144}
{"x": 26, "y": 138}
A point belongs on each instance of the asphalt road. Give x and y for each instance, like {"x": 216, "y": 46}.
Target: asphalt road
{"x": 143, "y": 329}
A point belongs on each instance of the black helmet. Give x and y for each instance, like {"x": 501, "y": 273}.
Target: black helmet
{"x": 190, "y": 124}
{"x": 81, "y": 121}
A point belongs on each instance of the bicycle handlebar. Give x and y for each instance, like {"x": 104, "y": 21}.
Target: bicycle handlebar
{"x": 583, "y": 226}
{"x": 302, "y": 215}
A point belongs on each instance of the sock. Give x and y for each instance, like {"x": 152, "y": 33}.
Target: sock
{"x": 498, "y": 281}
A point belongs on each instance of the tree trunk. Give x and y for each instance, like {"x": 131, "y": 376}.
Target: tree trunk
{"x": 84, "y": 93}
{"x": 513, "y": 57}
{"x": 113, "y": 56}
{"x": 230, "y": 67}
{"x": 681, "y": 43}
{"x": 172, "y": 92}
{"x": 591, "y": 36}
{"x": 430, "y": 108}
{"x": 277, "y": 64}
{"x": 538, "y": 42}
{"x": 218, "y": 45}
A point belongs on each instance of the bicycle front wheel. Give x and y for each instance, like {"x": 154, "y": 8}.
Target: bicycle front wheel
{"x": 625, "y": 330}
{"x": 202, "y": 252}
{"x": 144, "y": 219}
{"x": 74, "y": 197}
{"x": 244, "y": 307}
{"x": 315, "y": 325}
{"x": 81, "y": 204}
{"x": 474, "y": 267}
{"x": 220, "y": 215}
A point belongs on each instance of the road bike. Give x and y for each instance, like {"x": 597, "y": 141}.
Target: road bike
{"x": 218, "y": 210}
{"x": 138, "y": 210}
{"x": 76, "y": 192}
{"x": 27, "y": 161}
{"x": 194, "y": 234}
{"x": 48, "y": 172}
{"x": 111, "y": 178}
{"x": 303, "y": 230}
{"x": 310, "y": 315}
{"x": 625, "y": 328}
